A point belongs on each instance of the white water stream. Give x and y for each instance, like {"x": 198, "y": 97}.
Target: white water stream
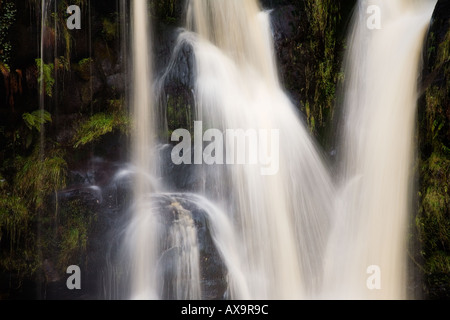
{"x": 293, "y": 234}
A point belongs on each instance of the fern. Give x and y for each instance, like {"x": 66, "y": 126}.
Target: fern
{"x": 36, "y": 119}
{"x": 45, "y": 79}
{"x": 99, "y": 125}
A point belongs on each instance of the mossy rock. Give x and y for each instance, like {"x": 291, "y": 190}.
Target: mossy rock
{"x": 433, "y": 218}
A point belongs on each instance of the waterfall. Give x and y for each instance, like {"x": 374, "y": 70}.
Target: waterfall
{"x": 143, "y": 246}
{"x": 370, "y": 224}
{"x": 156, "y": 257}
{"x": 183, "y": 237}
{"x": 283, "y": 227}
{"x": 280, "y": 220}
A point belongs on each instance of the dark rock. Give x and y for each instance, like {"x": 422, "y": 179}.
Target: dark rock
{"x": 179, "y": 178}
{"x": 117, "y": 82}
{"x": 175, "y": 73}
{"x": 283, "y": 20}
{"x": 272, "y": 4}
{"x": 439, "y": 28}
{"x": 94, "y": 172}
{"x": 65, "y": 126}
{"x": 175, "y": 61}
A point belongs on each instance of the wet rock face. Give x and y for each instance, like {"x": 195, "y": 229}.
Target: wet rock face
{"x": 93, "y": 184}
{"x": 183, "y": 235}
{"x": 172, "y": 209}
{"x": 271, "y": 4}
{"x": 111, "y": 205}
{"x": 283, "y": 20}
{"x": 181, "y": 178}
{"x": 434, "y": 137}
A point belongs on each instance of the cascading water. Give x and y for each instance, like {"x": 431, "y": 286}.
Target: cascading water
{"x": 183, "y": 238}
{"x": 281, "y": 218}
{"x": 143, "y": 226}
{"x": 157, "y": 257}
{"x": 273, "y": 215}
{"x": 283, "y": 230}
{"x": 371, "y": 219}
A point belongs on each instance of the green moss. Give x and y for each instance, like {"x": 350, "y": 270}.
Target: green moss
{"x": 24, "y": 208}
{"x": 313, "y": 62}
{"x": 433, "y": 221}
{"x": 84, "y": 67}
{"x": 110, "y": 28}
{"x": 443, "y": 55}
{"x": 433, "y": 218}
{"x": 179, "y": 114}
{"x": 14, "y": 216}
{"x": 323, "y": 77}
{"x": 165, "y": 10}
{"x": 38, "y": 176}
{"x": 73, "y": 233}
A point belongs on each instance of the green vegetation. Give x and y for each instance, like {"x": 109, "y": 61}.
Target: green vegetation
{"x": 165, "y": 10}
{"x": 35, "y": 224}
{"x": 73, "y": 235}
{"x": 323, "y": 70}
{"x": 179, "y": 114}
{"x": 433, "y": 222}
{"x": 313, "y": 67}
{"x": 45, "y": 79}
{"x": 24, "y": 207}
{"x": 433, "y": 218}
{"x": 110, "y": 28}
{"x": 84, "y": 68}
{"x": 36, "y": 119}
{"x": 100, "y": 124}
{"x": 28, "y": 177}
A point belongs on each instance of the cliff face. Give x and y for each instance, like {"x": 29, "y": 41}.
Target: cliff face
{"x": 433, "y": 217}
{"x": 93, "y": 61}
